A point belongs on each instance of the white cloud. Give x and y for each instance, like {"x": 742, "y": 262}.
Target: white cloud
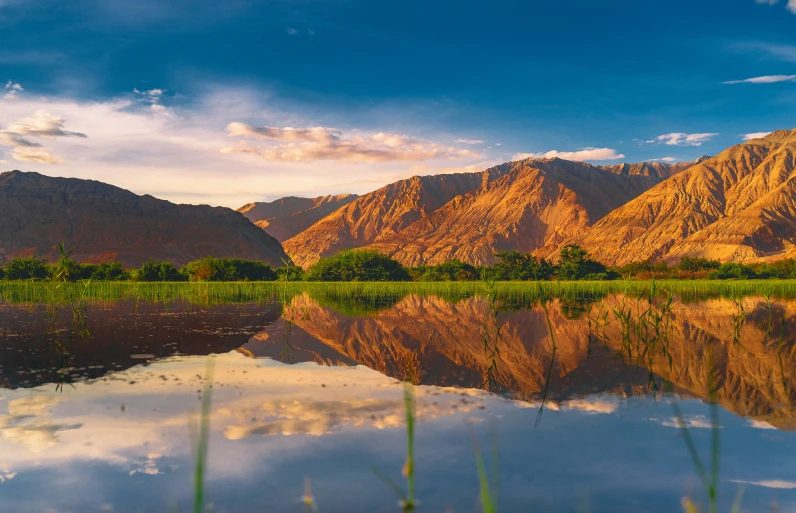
{"x": 596, "y": 404}
{"x": 6, "y": 474}
{"x": 469, "y": 141}
{"x": 696, "y": 421}
{"x": 772, "y": 483}
{"x": 291, "y": 31}
{"x": 681, "y": 139}
{"x": 174, "y": 153}
{"x": 321, "y": 143}
{"x": 765, "y": 79}
{"x": 580, "y": 155}
{"x": 754, "y": 135}
{"x": 12, "y": 89}
{"x": 19, "y": 135}
{"x": 760, "y": 424}
{"x": 791, "y": 5}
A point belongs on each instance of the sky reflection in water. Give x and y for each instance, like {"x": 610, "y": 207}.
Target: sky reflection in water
{"x": 120, "y": 439}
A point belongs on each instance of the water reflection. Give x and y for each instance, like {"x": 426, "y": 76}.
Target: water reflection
{"x": 119, "y": 437}
{"x": 441, "y": 343}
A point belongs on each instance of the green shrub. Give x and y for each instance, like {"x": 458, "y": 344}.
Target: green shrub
{"x": 291, "y": 273}
{"x": 513, "y": 265}
{"x": 228, "y": 269}
{"x": 451, "y": 270}
{"x": 357, "y": 265}
{"x": 159, "y": 271}
{"x": 575, "y": 264}
{"x": 108, "y": 271}
{"x": 733, "y": 271}
{"x": 697, "y": 264}
{"x": 782, "y": 269}
{"x": 27, "y": 269}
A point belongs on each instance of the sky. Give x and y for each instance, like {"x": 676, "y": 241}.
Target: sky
{"x": 224, "y": 103}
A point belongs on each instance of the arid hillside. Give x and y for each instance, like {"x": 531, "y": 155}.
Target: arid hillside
{"x": 105, "y": 223}
{"x": 287, "y": 217}
{"x": 529, "y": 205}
{"x": 739, "y": 205}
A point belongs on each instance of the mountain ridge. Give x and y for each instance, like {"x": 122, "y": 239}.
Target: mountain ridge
{"x": 103, "y": 223}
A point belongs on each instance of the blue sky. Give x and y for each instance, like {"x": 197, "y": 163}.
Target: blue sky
{"x": 172, "y": 97}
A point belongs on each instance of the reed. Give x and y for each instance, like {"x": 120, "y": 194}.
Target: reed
{"x": 516, "y": 294}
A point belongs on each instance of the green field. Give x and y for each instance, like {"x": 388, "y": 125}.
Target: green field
{"x": 50, "y": 292}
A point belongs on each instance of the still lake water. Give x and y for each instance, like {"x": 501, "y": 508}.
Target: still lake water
{"x": 105, "y": 420}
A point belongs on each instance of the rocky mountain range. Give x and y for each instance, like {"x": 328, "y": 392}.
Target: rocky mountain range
{"x": 289, "y": 216}
{"x": 530, "y": 205}
{"x": 739, "y": 205}
{"x": 103, "y": 223}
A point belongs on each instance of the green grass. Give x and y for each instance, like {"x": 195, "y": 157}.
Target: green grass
{"x": 353, "y": 295}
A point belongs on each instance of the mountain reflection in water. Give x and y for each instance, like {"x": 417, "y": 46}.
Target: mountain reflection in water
{"x": 118, "y": 438}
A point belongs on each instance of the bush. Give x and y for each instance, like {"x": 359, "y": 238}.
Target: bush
{"x": 575, "y": 264}
{"x": 26, "y": 269}
{"x": 513, "y": 265}
{"x": 108, "y": 271}
{"x": 697, "y": 264}
{"x": 291, "y": 273}
{"x": 159, "y": 271}
{"x": 733, "y": 271}
{"x": 783, "y": 269}
{"x": 357, "y": 265}
{"x": 452, "y": 270}
{"x": 228, "y": 269}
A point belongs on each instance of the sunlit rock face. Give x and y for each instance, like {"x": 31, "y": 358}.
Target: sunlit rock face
{"x": 529, "y": 205}
{"x": 739, "y": 205}
{"x": 105, "y": 223}
{"x": 432, "y": 341}
{"x": 287, "y": 217}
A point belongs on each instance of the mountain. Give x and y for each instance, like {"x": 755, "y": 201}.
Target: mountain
{"x": 528, "y": 205}
{"x": 380, "y": 214}
{"x": 286, "y": 217}
{"x": 103, "y": 222}
{"x": 532, "y": 205}
{"x": 738, "y": 205}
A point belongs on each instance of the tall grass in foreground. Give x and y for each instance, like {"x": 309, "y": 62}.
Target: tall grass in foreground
{"x": 510, "y": 293}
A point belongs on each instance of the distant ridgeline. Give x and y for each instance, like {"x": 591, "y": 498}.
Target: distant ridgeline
{"x": 573, "y": 264}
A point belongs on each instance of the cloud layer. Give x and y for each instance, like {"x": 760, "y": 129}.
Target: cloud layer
{"x": 321, "y": 143}
{"x": 791, "y": 5}
{"x": 579, "y": 155}
{"x": 682, "y": 139}
{"x": 765, "y": 79}
{"x": 754, "y": 135}
{"x": 20, "y": 135}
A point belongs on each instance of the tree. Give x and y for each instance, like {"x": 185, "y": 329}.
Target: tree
{"x": 159, "y": 271}
{"x": 733, "y": 271}
{"x": 357, "y": 265}
{"x": 513, "y": 265}
{"x": 575, "y": 264}
{"x": 109, "y": 271}
{"x": 697, "y": 264}
{"x": 228, "y": 269}
{"x": 451, "y": 270}
{"x": 27, "y": 269}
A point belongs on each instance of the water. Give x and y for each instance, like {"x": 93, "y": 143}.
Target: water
{"x": 107, "y": 421}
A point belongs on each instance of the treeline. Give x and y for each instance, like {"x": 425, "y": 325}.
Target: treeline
{"x": 206, "y": 269}
{"x": 574, "y": 263}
